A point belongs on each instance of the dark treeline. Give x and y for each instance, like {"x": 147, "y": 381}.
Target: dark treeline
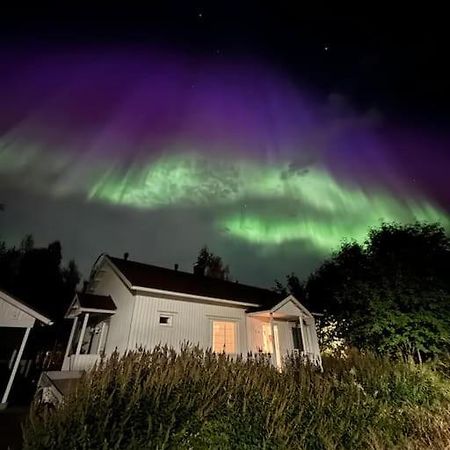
{"x": 390, "y": 294}
{"x": 36, "y": 276}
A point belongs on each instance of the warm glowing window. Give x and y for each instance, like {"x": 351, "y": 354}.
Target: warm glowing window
{"x": 224, "y": 337}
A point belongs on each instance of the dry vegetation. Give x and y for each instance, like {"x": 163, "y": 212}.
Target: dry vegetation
{"x": 199, "y": 400}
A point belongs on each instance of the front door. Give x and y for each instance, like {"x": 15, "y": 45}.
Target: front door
{"x": 267, "y": 338}
{"x": 269, "y": 341}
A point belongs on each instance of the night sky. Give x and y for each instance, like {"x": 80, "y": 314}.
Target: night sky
{"x": 268, "y": 133}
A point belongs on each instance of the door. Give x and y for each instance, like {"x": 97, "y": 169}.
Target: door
{"x": 272, "y": 342}
{"x": 267, "y": 338}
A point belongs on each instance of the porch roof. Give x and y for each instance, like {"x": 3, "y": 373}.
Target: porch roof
{"x": 280, "y": 309}
{"x": 20, "y": 305}
{"x": 94, "y": 301}
{"x": 91, "y": 303}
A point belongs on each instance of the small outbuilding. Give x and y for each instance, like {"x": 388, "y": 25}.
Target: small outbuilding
{"x": 16, "y": 320}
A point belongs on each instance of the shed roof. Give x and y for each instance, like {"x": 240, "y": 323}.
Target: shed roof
{"x": 24, "y": 307}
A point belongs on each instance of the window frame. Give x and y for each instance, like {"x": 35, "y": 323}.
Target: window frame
{"x": 169, "y": 316}
{"x": 299, "y": 332}
{"x": 234, "y": 322}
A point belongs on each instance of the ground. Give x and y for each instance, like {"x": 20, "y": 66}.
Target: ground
{"x": 10, "y": 427}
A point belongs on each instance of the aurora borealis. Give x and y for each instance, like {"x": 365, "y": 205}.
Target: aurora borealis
{"x": 267, "y": 202}
{"x": 232, "y": 154}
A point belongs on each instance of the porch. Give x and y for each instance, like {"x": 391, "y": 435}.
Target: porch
{"x": 286, "y": 329}
{"x": 86, "y": 345}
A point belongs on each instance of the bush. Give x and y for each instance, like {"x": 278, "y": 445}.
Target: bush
{"x": 198, "y": 400}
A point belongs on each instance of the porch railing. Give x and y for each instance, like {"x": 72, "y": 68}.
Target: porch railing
{"x": 80, "y": 362}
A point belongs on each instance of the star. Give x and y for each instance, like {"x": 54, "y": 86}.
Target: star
{"x": 326, "y": 48}
{"x": 200, "y": 15}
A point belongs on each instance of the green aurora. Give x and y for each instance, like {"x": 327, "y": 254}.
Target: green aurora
{"x": 263, "y": 204}
{"x": 157, "y": 153}
{"x": 255, "y": 201}
{"x": 252, "y": 200}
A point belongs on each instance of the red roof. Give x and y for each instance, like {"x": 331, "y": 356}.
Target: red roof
{"x": 149, "y": 276}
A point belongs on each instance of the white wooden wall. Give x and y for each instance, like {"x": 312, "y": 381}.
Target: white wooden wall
{"x": 310, "y": 336}
{"x": 190, "y": 322}
{"x": 285, "y": 335}
{"x": 255, "y": 334}
{"x": 10, "y": 316}
{"x": 108, "y": 283}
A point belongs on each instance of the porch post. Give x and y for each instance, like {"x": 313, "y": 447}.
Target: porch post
{"x": 83, "y": 330}
{"x": 274, "y": 349}
{"x": 12, "y": 359}
{"x": 302, "y": 332}
{"x": 16, "y": 365}
{"x": 72, "y": 332}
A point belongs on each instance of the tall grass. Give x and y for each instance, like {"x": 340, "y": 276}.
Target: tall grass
{"x": 195, "y": 399}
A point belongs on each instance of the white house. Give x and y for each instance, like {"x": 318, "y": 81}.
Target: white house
{"x": 128, "y": 304}
{"x": 16, "y": 320}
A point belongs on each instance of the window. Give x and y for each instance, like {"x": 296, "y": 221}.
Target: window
{"x": 224, "y": 337}
{"x": 165, "y": 320}
{"x": 297, "y": 338}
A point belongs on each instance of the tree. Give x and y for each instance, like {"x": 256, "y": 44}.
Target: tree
{"x": 210, "y": 265}
{"x": 293, "y": 286}
{"x": 391, "y": 294}
{"x": 37, "y": 276}
{"x": 27, "y": 244}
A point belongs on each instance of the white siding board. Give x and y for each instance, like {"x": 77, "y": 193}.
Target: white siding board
{"x": 191, "y": 322}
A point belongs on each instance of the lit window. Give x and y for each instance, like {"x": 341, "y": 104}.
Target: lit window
{"x": 165, "y": 320}
{"x": 224, "y": 337}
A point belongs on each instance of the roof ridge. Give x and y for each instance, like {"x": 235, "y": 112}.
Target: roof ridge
{"x": 190, "y": 274}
